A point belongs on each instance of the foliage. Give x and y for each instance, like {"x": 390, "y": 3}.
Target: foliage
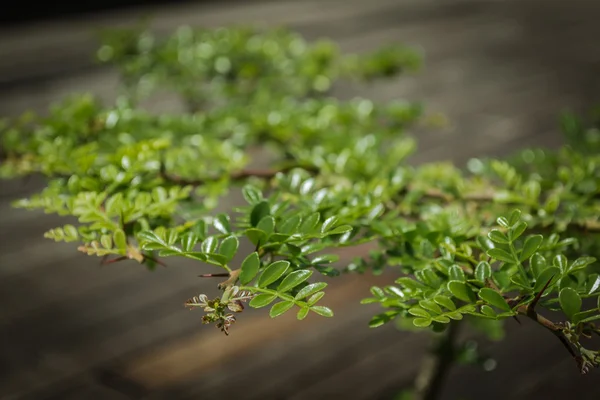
{"x": 501, "y": 239}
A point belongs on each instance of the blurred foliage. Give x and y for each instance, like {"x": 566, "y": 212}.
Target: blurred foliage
{"x": 498, "y": 240}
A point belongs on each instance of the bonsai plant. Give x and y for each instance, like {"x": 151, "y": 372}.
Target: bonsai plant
{"x": 502, "y": 239}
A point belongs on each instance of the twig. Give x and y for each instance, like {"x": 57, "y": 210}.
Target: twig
{"x": 436, "y": 366}
{"x": 529, "y": 311}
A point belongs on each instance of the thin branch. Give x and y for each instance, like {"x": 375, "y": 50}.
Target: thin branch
{"x": 435, "y": 367}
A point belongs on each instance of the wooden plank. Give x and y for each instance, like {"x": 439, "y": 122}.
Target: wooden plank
{"x": 73, "y": 40}
{"x": 175, "y": 363}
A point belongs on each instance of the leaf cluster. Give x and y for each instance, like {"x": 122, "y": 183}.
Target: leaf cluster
{"x": 499, "y": 239}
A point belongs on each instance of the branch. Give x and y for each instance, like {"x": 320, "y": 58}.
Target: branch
{"x": 529, "y": 311}
{"x": 436, "y": 366}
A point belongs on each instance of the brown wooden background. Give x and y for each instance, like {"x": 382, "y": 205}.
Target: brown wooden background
{"x": 501, "y": 70}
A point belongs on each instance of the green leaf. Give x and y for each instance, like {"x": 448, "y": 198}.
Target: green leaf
{"x": 120, "y": 239}
{"x": 496, "y": 236}
{"x": 461, "y": 291}
{"x": 519, "y": 280}
{"x": 315, "y": 298}
{"x": 291, "y": 225}
{"x": 570, "y": 301}
{"x": 251, "y": 194}
{"x": 560, "y": 261}
{"x": 209, "y": 245}
{"x": 327, "y": 271}
{"x": 516, "y": 231}
{"x": 339, "y": 230}
{"x": 545, "y": 276}
{"x": 514, "y": 217}
{"x": 381, "y": 319}
{"x": 445, "y": 301}
{"x": 532, "y": 243}
{"x": 487, "y": 310}
{"x": 294, "y": 279}
{"x": 422, "y": 322}
{"x": 579, "y": 264}
{"x": 593, "y": 283}
{"x": 503, "y": 222}
{"x": 262, "y": 300}
{"x": 501, "y": 255}
{"x": 325, "y": 259}
{"x": 302, "y": 313}
{"x": 188, "y": 241}
{"x": 410, "y": 284}
{"x": 483, "y": 271}
{"x": 430, "y": 306}
{"x": 106, "y": 241}
{"x": 377, "y": 292}
{"x": 267, "y": 225}
{"x": 418, "y": 312}
{"x": 310, "y": 223}
{"x": 329, "y": 223}
{"x": 494, "y": 298}
{"x": 259, "y": 211}
{"x": 221, "y": 223}
{"x": 280, "y": 308}
{"x": 256, "y": 236}
{"x": 322, "y": 311}
{"x": 273, "y": 272}
{"x": 485, "y": 243}
{"x": 537, "y": 263}
{"x": 229, "y": 247}
{"x": 249, "y": 268}
{"x": 310, "y": 289}
{"x": 456, "y": 273}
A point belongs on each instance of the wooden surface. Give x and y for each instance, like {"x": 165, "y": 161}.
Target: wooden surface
{"x": 500, "y": 70}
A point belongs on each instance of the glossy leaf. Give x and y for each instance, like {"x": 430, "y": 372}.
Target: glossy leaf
{"x": 229, "y": 247}
{"x": 461, "y": 291}
{"x": 494, "y": 298}
{"x": 322, "y": 311}
{"x": 532, "y": 243}
{"x": 483, "y": 271}
{"x": 570, "y": 301}
{"x": 294, "y": 279}
{"x": 310, "y": 289}
{"x": 501, "y": 255}
{"x": 273, "y": 272}
{"x": 249, "y": 268}
{"x": 280, "y": 308}
{"x": 262, "y": 300}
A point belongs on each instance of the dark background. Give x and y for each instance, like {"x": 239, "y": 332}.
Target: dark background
{"x": 16, "y": 12}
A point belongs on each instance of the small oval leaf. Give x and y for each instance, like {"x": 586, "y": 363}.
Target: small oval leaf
{"x": 262, "y": 300}
{"x": 280, "y": 308}
{"x": 273, "y": 272}
{"x": 483, "y": 271}
{"x": 294, "y": 279}
{"x": 209, "y": 245}
{"x": 496, "y": 236}
{"x": 229, "y": 247}
{"x": 322, "y": 311}
{"x": 501, "y": 255}
{"x": 249, "y": 268}
{"x": 494, "y": 298}
{"x": 570, "y": 301}
{"x": 308, "y": 290}
{"x": 532, "y": 243}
